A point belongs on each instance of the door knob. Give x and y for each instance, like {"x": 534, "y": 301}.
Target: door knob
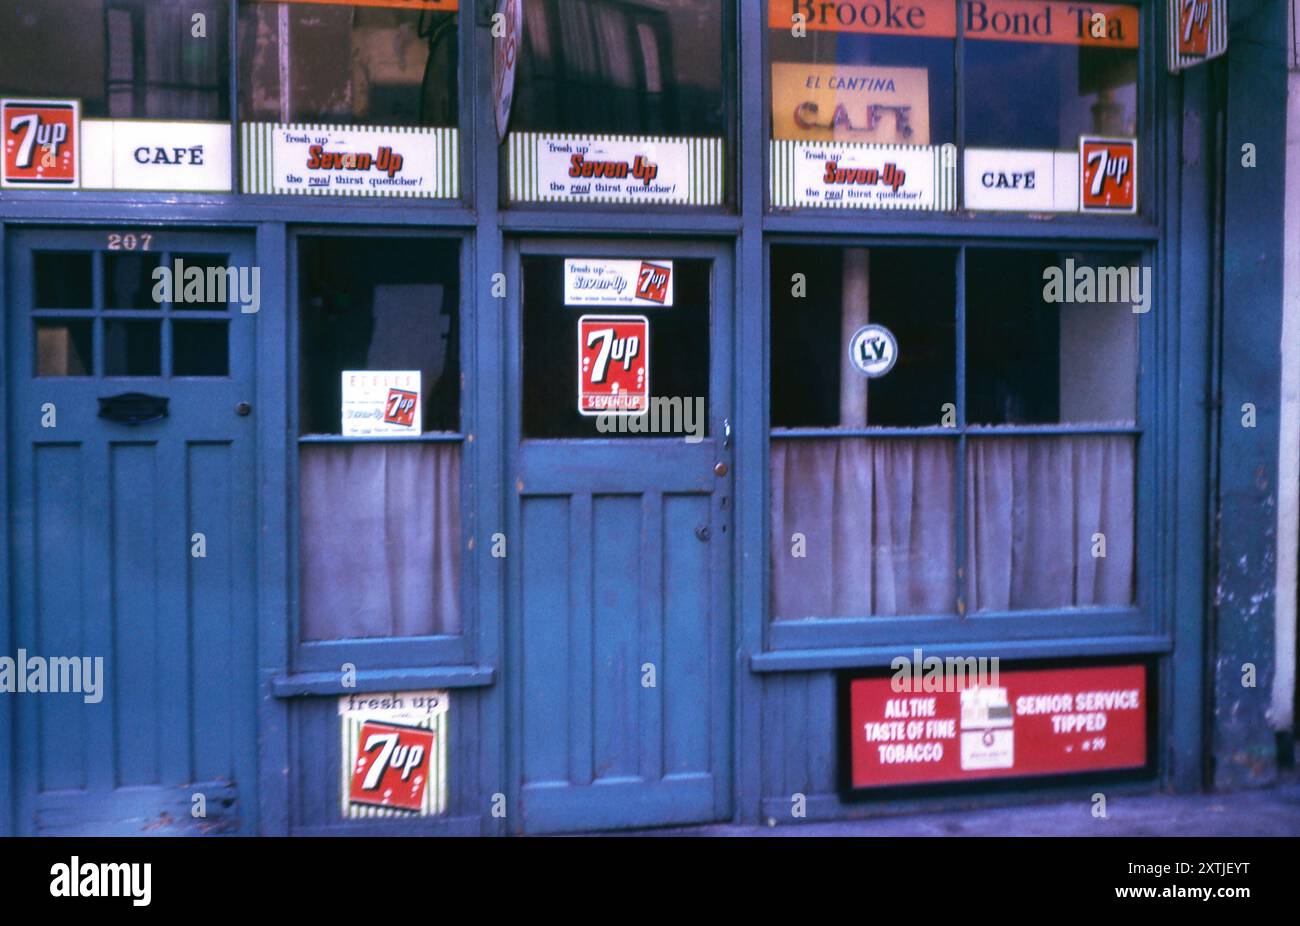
{"x": 720, "y": 468}
{"x": 243, "y": 409}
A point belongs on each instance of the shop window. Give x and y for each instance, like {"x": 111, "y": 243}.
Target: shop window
{"x": 379, "y": 462}
{"x": 123, "y": 59}
{"x": 850, "y": 77}
{"x": 620, "y": 101}
{"x": 870, "y": 440}
{"x": 669, "y": 353}
{"x": 865, "y": 108}
{"x": 349, "y": 99}
{"x": 387, "y": 63}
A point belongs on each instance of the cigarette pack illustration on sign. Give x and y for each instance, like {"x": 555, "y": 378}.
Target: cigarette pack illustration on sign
{"x": 394, "y": 747}
{"x": 987, "y": 737}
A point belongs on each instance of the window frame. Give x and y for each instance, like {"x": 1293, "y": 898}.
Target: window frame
{"x": 734, "y": 12}
{"x": 814, "y": 219}
{"x": 1037, "y": 625}
{"x": 382, "y": 653}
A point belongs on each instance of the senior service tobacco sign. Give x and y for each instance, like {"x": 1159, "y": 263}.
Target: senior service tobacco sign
{"x": 1019, "y": 723}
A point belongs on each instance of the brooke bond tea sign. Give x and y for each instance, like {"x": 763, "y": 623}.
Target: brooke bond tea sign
{"x": 350, "y": 161}
{"x": 613, "y": 365}
{"x": 853, "y": 176}
{"x": 40, "y": 143}
{"x": 1061, "y": 22}
{"x": 1025, "y": 723}
{"x": 615, "y": 169}
{"x": 394, "y": 747}
{"x": 618, "y": 282}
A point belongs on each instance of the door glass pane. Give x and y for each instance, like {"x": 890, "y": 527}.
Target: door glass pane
{"x": 200, "y": 349}
{"x": 64, "y": 279}
{"x": 216, "y": 279}
{"x": 601, "y": 361}
{"x": 129, "y": 281}
{"x": 132, "y": 348}
{"x": 124, "y": 59}
{"x": 64, "y": 348}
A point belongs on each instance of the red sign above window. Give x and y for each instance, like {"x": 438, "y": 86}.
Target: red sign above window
{"x": 1019, "y": 723}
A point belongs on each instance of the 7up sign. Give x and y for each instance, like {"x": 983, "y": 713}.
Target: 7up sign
{"x": 394, "y": 753}
{"x": 1107, "y": 174}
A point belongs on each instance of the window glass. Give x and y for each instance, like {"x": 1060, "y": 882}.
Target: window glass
{"x": 1036, "y": 76}
{"x": 867, "y": 525}
{"x": 822, "y": 296}
{"x": 621, "y": 101}
{"x": 379, "y": 545}
{"x": 862, "y": 525}
{"x": 633, "y": 67}
{"x": 123, "y": 59}
{"x": 380, "y": 62}
{"x": 863, "y": 73}
{"x": 378, "y": 304}
{"x": 1052, "y": 337}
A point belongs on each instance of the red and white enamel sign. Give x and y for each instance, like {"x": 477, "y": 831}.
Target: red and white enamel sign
{"x": 40, "y": 143}
{"x": 1024, "y": 723}
{"x": 1198, "y": 31}
{"x": 1107, "y": 174}
{"x": 613, "y": 364}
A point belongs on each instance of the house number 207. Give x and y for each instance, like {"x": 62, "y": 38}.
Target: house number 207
{"x": 125, "y": 241}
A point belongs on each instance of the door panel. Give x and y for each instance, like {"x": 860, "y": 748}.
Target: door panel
{"x": 105, "y": 515}
{"x": 622, "y": 619}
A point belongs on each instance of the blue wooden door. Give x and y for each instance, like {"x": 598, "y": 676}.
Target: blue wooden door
{"x": 134, "y": 542}
{"x": 619, "y": 557}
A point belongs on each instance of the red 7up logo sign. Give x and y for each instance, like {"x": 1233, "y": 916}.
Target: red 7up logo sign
{"x": 613, "y": 364}
{"x": 391, "y": 767}
{"x": 1107, "y": 174}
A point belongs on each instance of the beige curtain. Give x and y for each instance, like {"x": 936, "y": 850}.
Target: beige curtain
{"x": 876, "y": 529}
{"x": 1033, "y": 507}
{"x": 876, "y": 520}
{"x": 379, "y": 550}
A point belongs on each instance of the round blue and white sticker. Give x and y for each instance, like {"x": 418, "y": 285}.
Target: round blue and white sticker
{"x": 873, "y": 350}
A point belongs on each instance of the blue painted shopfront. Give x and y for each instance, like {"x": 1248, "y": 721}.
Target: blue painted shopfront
{"x": 618, "y": 553}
